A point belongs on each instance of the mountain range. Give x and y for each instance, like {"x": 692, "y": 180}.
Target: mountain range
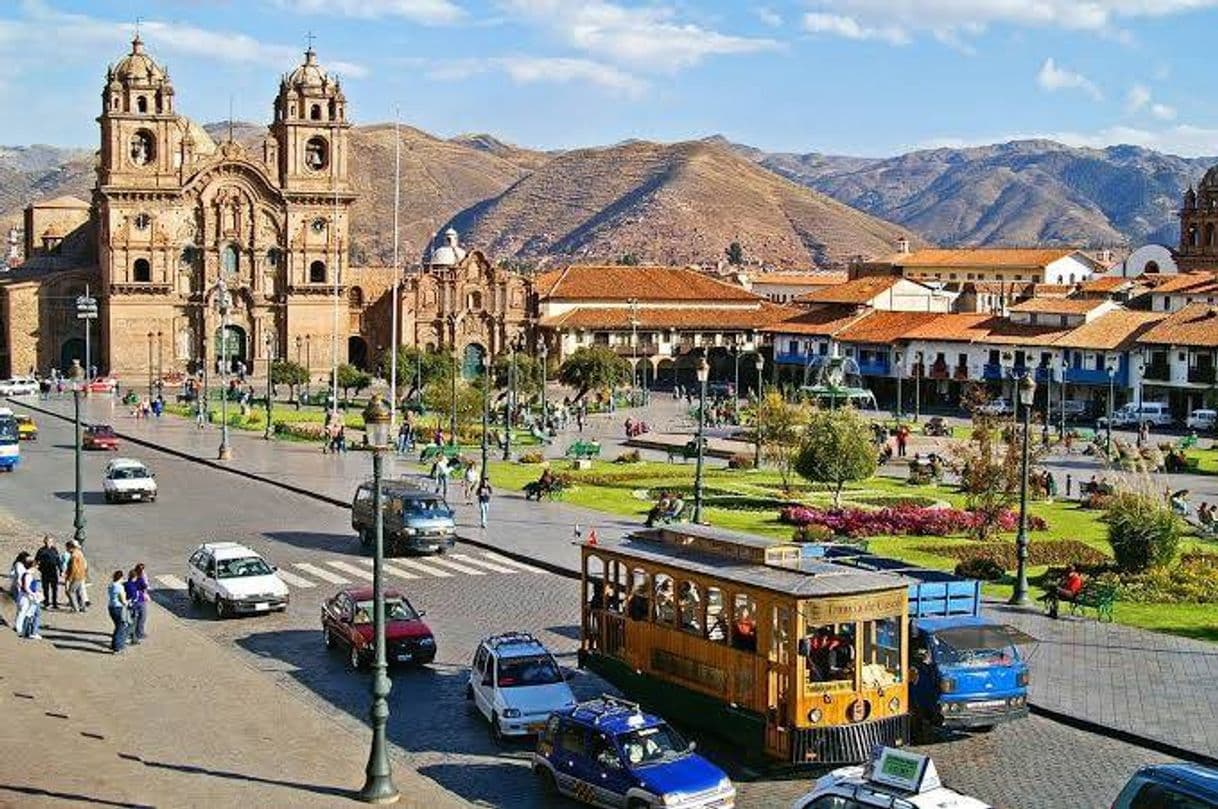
{"x": 686, "y": 202}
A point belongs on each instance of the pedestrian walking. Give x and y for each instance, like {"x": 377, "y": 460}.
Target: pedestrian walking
{"x": 19, "y": 587}
{"x": 117, "y": 606}
{"x": 31, "y": 625}
{"x": 439, "y": 474}
{"x": 484, "y": 499}
{"x": 471, "y": 482}
{"x": 48, "y": 561}
{"x": 902, "y": 440}
{"x": 403, "y": 437}
{"x": 136, "y": 590}
{"x": 75, "y": 573}
{"x": 1069, "y": 484}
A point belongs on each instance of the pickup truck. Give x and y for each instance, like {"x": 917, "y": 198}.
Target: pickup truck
{"x": 966, "y": 671}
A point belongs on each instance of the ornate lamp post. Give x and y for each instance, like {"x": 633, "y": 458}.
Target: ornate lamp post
{"x": 308, "y": 363}
{"x": 160, "y": 369}
{"x": 703, "y": 374}
{"x": 222, "y": 303}
{"x": 760, "y": 364}
{"x": 900, "y": 357}
{"x": 150, "y": 366}
{"x": 918, "y": 388}
{"x": 1027, "y": 394}
{"x": 486, "y": 413}
{"x": 1044, "y": 427}
{"x": 79, "y": 520}
{"x": 270, "y": 390}
{"x": 633, "y": 305}
{"x": 452, "y": 414}
{"x": 1065, "y": 366}
{"x": 378, "y": 786}
{"x": 1111, "y": 393}
{"x": 542, "y": 354}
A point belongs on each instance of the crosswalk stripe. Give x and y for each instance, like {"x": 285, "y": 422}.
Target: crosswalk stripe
{"x": 172, "y": 582}
{"x": 322, "y": 574}
{"x": 495, "y": 557}
{"x": 352, "y": 569}
{"x": 397, "y": 571}
{"x": 293, "y": 579}
{"x": 422, "y": 568}
{"x": 460, "y": 568}
{"x": 484, "y": 563}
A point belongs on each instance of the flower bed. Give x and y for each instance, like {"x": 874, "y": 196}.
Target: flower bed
{"x": 1041, "y": 552}
{"x": 898, "y": 520}
{"x": 1194, "y": 580}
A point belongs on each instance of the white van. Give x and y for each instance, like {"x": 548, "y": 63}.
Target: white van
{"x": 1202, "y": 419}
{"x": 1157, "y": 414}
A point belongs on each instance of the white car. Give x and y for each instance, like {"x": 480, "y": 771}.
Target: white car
{"x": 128, "y": 479}
{"x": 18, "y": 386}
{"x": 997, "y": 407}
{"x": 893, "y": 778}
{"x": 234, "y": 579}
{"x": 1202, "y": 420}
{"x": 516, "y": 684}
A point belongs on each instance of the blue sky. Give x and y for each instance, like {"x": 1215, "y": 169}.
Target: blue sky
{"x": 867, "y": 77}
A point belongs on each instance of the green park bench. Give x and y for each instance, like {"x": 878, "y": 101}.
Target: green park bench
{"x": 688, "y": 450}
{"x": 1188, "y": 442}
{"x": 1097, "y": 596}
{"x": 584, "y": 450}
{"x": 431, "y": 452}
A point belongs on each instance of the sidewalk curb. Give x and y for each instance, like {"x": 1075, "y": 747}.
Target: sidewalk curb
{"x": 1075, "y": 722}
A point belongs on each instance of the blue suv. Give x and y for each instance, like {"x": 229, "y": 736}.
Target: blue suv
{"x": 1170, "y": 786}
{"x": 609, "y": 753}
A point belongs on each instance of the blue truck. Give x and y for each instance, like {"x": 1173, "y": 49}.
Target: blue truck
{"x": 966, "y": 672}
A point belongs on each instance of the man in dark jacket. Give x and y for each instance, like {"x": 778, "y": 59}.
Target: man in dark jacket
{"x": 49, "y": 569}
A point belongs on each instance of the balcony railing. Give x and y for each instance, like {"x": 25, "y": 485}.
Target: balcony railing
{"x": 791, "y": 358}
{"x": 992, "y": 370}
{"x": 1159, "y": 372}
{"x": 874, "y": 368}
{"x": 960, "y": 372}
{"x": 939, "y": 371}
{"x": 1203, "y": 374}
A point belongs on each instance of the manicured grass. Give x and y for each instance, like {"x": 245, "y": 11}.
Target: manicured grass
{"x": 1207, "y": 460}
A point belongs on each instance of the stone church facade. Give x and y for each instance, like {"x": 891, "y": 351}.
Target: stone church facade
{"x": 1199, "y": 225}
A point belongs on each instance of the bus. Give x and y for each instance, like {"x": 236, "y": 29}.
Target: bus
{"x": 10, "y": 444}
{"x": 792, "y": 659}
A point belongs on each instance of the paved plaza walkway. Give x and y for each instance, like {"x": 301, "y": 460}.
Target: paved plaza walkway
{"x": 1132, "y": 680}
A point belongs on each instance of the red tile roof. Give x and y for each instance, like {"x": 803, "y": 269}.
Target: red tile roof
{"x": 858, "y": 290}
{"x": 797, "y": 278}
{"x": 616, "y": 283}
{"x": 885, "y": 327}
{"x": 1185, "y": 282}
{"x": 1106, "y": 283}
{"x": 1058, "y": 306}
{"x": 824, "y": 321}
{"x": 961, "y": 328}
{"x": 702, "y": 317}
{"x": 1194, "y": 325}
{"x": 1110, "y": 331}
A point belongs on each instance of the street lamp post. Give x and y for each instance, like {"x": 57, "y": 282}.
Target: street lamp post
{"x": 509, "y": 406}
{"x": 270, "y": 390}
{"x": 79, "y": 521}
{"x": 308, "y": 364}
{"x": 703, "y": 373}
{"x": 378, "y": 786}
{"x": 1065, "y": 366}
{"x": 542, "y": 354}
{"x": 486, "y": 414}
{"x": 1044, "y": 427}
{"x": 918, "y": 388}
{"x": 760, "y": 363}
{"x": 150, "y": 336}
{"x": 160, "y": 368}
{"x": 633, "y": 305}
{"x": 900, "y": 372}
{"x": 1111, "y": 393}
{"x": 1027, "y": 394}
{"x": 222, "y": 302}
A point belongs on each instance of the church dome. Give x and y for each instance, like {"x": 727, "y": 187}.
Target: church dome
{"x": 309, "y": 74}
{"x": 450, "y": 253}
{"x": 138, "y": 67}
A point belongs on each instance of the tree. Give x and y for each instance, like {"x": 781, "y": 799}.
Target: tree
{"x": 435, "y": 366}
{"x": 990, "y": 468}
{"x": 528, "y": 374}
{"x": 351, "y": 377}
{"x": 292, "y": 374}
{"x": 438, "y": 398}
{"x": 1142, "y": 531}
{"x": 735, "y": 254}
{"x": 594, "y": 368}
{"x": 779, "y": 425}
{"x": 836, "y": 450}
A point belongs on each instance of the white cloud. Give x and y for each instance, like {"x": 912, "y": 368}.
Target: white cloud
{"x": 971, "y": 17}
{"x": 426, "y": 12}
{"x": 1137, "y": 97}
{"x": 849, "y": 28}
{"x": 540, "y": 69}
{"x": 1163, "y": 112}
{"x": 648, "y": 38}
{"x": 1181, "y": 139}
{"x": 1054, "y": 78}
{"x": 768, "y": 16}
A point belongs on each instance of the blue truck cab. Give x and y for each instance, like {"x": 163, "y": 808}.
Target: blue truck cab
{"x": 966, "y": 671}
{"x": 609, "y": 753}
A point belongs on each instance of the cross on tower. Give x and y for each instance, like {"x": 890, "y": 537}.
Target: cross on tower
{"x": 309, "y": 36}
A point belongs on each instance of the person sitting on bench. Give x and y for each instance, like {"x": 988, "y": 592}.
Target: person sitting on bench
{"x": 1067, "y": 589}
{"x": 541, "y": 487}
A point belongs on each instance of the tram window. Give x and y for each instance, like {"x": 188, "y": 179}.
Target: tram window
{"x": 744, "y": 623}
{"x": 716, "y": 616}
{"x": 666, "y": 608}
{"x": 780, "y": 635}
{"x": 639, "y": 607}
{"x": 829, "y": 653}
{"x": 690, "y": 604}
{"x": 603, "y": 597}
{"x": 881, "y": 653}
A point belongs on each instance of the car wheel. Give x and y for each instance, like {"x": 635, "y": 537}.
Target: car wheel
{"x": 496, "y": 731}
{"x": 327, "y": 638}
{"x": 354, "y": 660}
{"x": 221, "y": 609}
{"x": 192, "y": 593}
{"x": 546, "y": 779}
{"x": 469, "y": 692}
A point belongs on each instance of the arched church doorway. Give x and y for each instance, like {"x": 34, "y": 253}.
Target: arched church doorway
{"x": 73, "y": 349}
{"x": 357, "y": 352}
{"x": 471, "y": 361}
{"x": 233, "y": 349}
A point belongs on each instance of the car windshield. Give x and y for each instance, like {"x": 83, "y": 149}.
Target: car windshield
{"x": 103, "y": 430}
{"x": 532, "y": 670}
{"x": 651, "y": 745}
{"x": 974, "y": 646}
{"x": 8, "y": 429}
{"x": 395, "y": 610}
{"x": 430, "y": 507}
{"x": 241, "y": 568}
{"x": 128, "y": 473}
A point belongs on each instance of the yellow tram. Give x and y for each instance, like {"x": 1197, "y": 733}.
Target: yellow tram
{"x": 792, "y": 657}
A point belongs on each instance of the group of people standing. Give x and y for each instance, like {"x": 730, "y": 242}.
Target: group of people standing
{"x": 35, "y": 581}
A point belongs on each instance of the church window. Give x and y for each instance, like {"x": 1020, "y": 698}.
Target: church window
{"x": 141, "y": 104}
{"x": 317, "y": 272}
{"x": 1194, "y": 237}
{"x": 159, "y": 104}
{"x": 142, "y": 221}
{"x": 319, "y": 225}
{"x": 333, "y": 109}
{"x": 143, "y": 148}
{"x": 141, "y": 271}
{"x": 1210, "y": 239}
{"x": 229, "y": 259}
{"x": 473, "y": 301}
{"x": 272, "y": 257}
{"x": 355, "y": 298}
{"x": 316, "y": 153}
{"x": 315, "y": 112}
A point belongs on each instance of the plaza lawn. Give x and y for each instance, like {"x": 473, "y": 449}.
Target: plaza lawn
{"x": 616, "y": 488}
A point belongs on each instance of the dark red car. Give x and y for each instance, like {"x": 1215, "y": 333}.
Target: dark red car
{"x": 99, "y": 436}
{"x": 346, "y": 622}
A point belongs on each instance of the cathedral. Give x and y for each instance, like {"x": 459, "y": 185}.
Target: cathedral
{"x": 198, "y": 250}
{"x": 1199, "y": 225}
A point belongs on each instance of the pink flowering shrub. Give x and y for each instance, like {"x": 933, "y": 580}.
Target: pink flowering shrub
{"x": 899, "y": 520}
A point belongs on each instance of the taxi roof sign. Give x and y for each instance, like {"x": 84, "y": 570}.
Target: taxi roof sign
{"x": 903, "y": 770}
